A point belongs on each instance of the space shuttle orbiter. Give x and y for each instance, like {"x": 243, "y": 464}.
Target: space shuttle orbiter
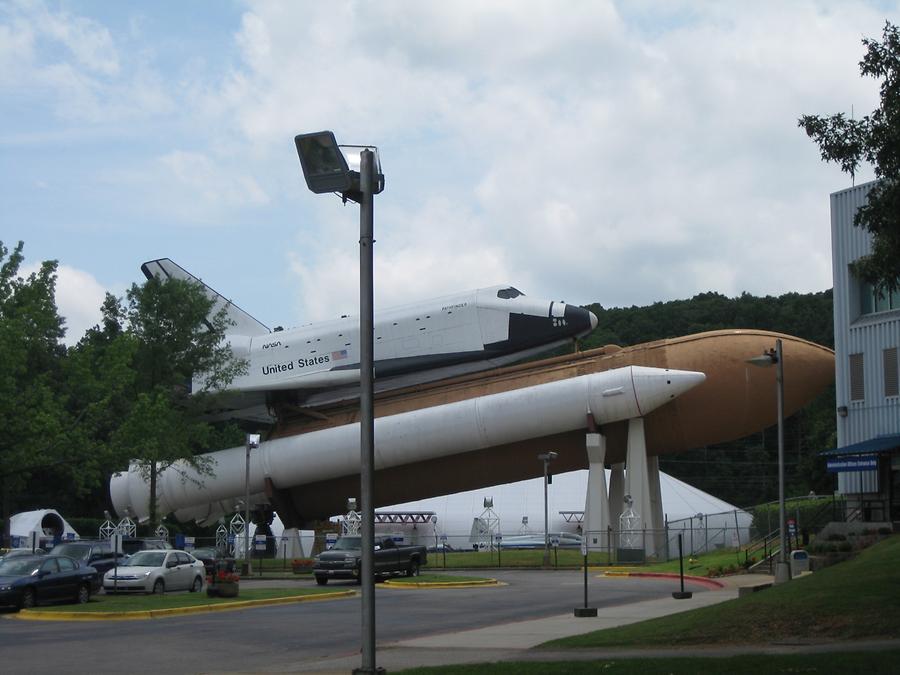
{"x": 423, "y": 341}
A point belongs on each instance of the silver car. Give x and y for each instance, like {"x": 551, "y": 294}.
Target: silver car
{"x": 156, "y": 572}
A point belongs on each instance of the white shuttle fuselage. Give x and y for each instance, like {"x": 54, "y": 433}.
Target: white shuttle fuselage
{"x": 458, "y": 333}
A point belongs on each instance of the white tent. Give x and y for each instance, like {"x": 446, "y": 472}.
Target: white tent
{"x": 520, "y": 509}
{"x": 42, "y": 527}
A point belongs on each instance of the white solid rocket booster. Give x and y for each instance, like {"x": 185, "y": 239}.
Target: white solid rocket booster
{"x": 438, "y": 431}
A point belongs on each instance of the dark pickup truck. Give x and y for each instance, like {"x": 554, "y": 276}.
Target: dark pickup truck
{"x": 344, "y": 559}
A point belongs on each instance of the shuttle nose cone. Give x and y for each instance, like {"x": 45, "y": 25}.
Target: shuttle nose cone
{"x": 580, "y": 319}
{"x": 654, "y": 387}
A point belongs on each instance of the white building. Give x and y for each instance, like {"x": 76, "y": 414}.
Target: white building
{"x": 866, "y": 339}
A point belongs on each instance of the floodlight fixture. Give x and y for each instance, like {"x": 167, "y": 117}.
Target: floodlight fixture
{"x": 329, "y": 167}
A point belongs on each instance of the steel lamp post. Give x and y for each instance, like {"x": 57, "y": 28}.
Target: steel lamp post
{"x": 252, "y": 442}
{"x": 546, "y": 458}
{"x": 765, "y": 360}
{"x": 354, "y": 173}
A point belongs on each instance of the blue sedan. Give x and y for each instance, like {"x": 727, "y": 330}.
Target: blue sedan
{"x": 28, "y": 580}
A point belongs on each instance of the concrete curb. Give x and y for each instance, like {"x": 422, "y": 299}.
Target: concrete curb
{"x": 30, "y": 615}
{"x": 702, "y": 581}
{"x": 409, "y": 585}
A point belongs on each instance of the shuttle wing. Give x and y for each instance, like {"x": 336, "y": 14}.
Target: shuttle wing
{"x": 244, "y": 324}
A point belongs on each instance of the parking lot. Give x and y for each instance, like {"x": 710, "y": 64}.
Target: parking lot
{"x": 290, "y": 637}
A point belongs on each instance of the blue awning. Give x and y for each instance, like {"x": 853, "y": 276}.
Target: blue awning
{"x": 879, "y": 444}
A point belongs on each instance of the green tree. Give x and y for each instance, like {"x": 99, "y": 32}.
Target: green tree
{"x": 32, "y": 416}
{"x": 174, "y": 337}
{"x": 874, "y": 139}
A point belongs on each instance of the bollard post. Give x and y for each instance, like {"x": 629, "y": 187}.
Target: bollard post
{"x": 681, "y": 595}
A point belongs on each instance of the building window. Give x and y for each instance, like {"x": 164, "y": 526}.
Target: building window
{"x": 891, "y": 387}
{"x": 872, "y": 299}
{"x": 857, "y": 383}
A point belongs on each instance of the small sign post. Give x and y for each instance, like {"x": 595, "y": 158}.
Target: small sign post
{"x": 585, "y": 611}
{"x": 116, "y": 542}
{"x": 259, "y": 545}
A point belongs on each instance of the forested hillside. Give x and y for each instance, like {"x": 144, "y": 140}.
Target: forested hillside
{"x": 742, "y": 472}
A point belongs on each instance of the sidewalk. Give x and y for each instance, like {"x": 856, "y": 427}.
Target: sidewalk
{"x": 513, "y": 641}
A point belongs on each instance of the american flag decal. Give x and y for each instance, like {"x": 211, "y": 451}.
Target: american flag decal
{"x": 337, "y": 356}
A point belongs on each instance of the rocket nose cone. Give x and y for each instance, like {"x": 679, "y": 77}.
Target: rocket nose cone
{"x": 654, "y": 387}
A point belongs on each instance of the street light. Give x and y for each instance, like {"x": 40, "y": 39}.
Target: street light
{"x": 252, "y": 442}
{"x": 354, "y": 172}
{"x": 546, "y": 458}
{"x": 766, "y": 359}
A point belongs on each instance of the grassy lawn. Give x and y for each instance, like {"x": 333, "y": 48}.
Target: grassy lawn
{"x": 570, "y": 558}
{"x": 700, "y": 565}
{"x": 517, "y": 558}
{"x": 137, "y": 603}
{"x": 871, "y": 663}
{"x": 856, "y": 599}
{"x": 435, "y": 579}
{"x": 524, "y": 558}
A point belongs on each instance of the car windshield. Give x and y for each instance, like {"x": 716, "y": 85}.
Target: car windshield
{"x": 76, "y": 551}
{"x": 204, "y": 552}
{"x": 348, "y": 544}
{"x": 18, "y": 567}
{"x": 147, "y": 559}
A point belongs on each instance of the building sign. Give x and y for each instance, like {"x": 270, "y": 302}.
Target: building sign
{"x": 858, "y": 463}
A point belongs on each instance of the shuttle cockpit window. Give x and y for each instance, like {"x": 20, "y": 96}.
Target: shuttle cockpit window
{"x": 509, "y": 293}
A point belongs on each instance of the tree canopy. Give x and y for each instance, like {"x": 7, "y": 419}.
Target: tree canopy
{"x": 32, "y": 414}
{"x": 121, "y": 394}
{"x": 874, "y": 139}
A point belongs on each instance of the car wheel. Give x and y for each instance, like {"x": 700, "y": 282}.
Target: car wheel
{"x": 321, "y": 580}
{"x": 84, "y": 594}
{"x": 197, "y": 585}
{"x": 413, "y": 569}
{"x": 29, "y": 599}
{"x": 159, "y": 587}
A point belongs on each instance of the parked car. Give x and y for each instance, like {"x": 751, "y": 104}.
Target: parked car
{"x": 19, "y": 552}
{"x": 131, "y": 545}
{"x": 97, "y": 554}
{"x": 28, "y": 580}
{"x": 213, "y": 560}
{"x": 156, "y": 572}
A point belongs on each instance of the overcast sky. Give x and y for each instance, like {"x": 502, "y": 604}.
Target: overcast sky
{"x": 613, "y": 152}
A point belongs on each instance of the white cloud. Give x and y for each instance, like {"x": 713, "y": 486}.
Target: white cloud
{"x": 572, "y": 147}
{"x": 75, "y": 62}
{"x": 206, "y": 184}
{"x": 79, "y": 297}
{"x": 605, "y": 151}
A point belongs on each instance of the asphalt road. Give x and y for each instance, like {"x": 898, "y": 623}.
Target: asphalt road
{"x": 278, "y": 638}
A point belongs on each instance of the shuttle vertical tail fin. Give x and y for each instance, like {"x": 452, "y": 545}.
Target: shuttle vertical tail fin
{"x": 244, "y": 324}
